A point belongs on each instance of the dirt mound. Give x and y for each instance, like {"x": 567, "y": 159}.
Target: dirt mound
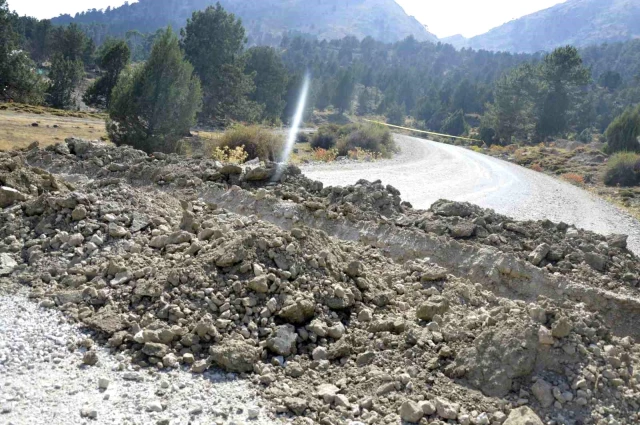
{"x": 333, "y": 330}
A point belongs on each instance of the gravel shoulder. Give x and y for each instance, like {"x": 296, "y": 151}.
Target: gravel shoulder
{"x": 43, "y": 382}
{"x": 426, "y": 171}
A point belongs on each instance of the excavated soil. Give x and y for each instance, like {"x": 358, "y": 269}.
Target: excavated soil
{"x": 344, "y": 305}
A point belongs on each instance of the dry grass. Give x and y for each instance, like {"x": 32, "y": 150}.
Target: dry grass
{"x": 17, "y": 130}
{"x": 573, "y": 178}
{"x": 325, "y": 155}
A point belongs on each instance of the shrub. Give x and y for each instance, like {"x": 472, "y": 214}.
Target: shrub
{"x": 622, "y": 134}
{"x": 370, "y": 137}
{"x": 225, "y": 154}
{"x": 573, "y": 178}
{"x": 359, "y": 154}
{"x": 623, "y": 169}
{"x": 586, "y": 136}
{"x": 256, "y": 141}
{"x": 302, "y": 138}
{"x": 455, "y": 124}
{"x": 536, "y": 167}
{"x": 325, "y": 155}
{"x": 326, "y": 137}
{"x": 488, "y": 135}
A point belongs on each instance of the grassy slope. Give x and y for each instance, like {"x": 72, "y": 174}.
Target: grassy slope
{"x": 17, "y": 130}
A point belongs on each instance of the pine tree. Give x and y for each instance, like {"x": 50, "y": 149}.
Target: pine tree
{"x": 270, "y": 78}
{"x": 213, "y": 41}
{"x": 344, "y": 92}
{"x": 112, "y": 60}
{"x": 561, "y": 73}
{"x": 155, "y": 104}
{"x": 65, "y": 74}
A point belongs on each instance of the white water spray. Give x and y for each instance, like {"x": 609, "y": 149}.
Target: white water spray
{"x": 295, "y": 127}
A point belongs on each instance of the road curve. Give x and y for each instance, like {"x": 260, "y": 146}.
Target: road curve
{"x": 426, "y": 171}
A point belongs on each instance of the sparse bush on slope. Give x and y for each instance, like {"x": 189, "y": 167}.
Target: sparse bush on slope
{"x": 623, "y": 169}
{"x": 369, "y": 137}
{"x": 258, "y": 142}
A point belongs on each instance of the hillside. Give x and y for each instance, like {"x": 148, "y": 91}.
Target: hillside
{"x": 576, "y": 22}
{"x": 267, "y": 20}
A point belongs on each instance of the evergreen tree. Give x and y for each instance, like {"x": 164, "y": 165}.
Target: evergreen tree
{"x": 396, "y": 114}
{"x": 325, "y": 94}
{"x": 561, "y": 73}
{"x": 19, "y": 80}
{"x": 64, "y": 76}
{"x": 622, "y": 135}
{"x": 113, "y": 58}
{"x": 72, "y": 43}
{"x": 213, "y": 42}
{"x": 155, "y": 104}
{"x": 344, "y": 92}
{"x": 512, "y": 113}
{"x": 455, "y": 124}
{"x": 270, "y": 80}
{"x": 364, "y": 102}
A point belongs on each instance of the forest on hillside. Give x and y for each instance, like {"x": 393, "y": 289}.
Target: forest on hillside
{"x": 512, "y": 97}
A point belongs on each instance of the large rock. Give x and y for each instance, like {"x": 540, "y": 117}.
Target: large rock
{"x": 539, "y": 254}
{"x": 298, "y": 312}
{"x": 411, "y": 412}
{"x": 435, "y": 305}
{"x": 523, "y": 416}
{"x": 7, "y": 264}
{"x": 542, "y": 390}
{"x": 452, "y": 209}
{"x": 9, "y": 196}
{"x": 596, "y": 261}
{"x": 235, "y": 356}
{"x": 259, "y": 174}
{"x": 154, "y": 349}
{"x": 106, "y": 320}
{"x": 498, "y": 356}
{"x": 283, "y": 342}
{"x": 618, "y": 241}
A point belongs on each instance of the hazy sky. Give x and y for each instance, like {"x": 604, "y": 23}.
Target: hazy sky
{"x": 443, "y": 17}
{"x": 469, "y": 17}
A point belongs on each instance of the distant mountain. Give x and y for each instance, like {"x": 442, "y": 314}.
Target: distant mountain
{"x": 577, "y": 22}
{"x": 267, "y": 20}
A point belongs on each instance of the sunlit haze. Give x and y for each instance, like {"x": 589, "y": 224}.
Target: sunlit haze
{"x": 444, "y": 18}
{"x": 470, "y": 17}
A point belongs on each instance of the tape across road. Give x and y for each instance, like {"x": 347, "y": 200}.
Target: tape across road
{"x": 422, "y": 131}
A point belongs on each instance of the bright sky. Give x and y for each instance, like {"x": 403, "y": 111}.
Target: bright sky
{"x": 443, "y": 17}
{"x": 470, "y": 17}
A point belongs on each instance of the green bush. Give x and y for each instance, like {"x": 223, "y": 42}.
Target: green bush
{"x": 488, "y": 136}
{"x": 302, "y": 138}
{"x": 326, "y": 137}
{"x": 622, "y": 134}
{"x": 370, "y": 137}
{"x": 258, "y": 142}
{"x": 155, "y": 104}
{"x": 623, "y": 169}
{"x": 455, "y": 124}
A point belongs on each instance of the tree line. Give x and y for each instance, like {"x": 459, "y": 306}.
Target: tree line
{"x": 510, "y": 97}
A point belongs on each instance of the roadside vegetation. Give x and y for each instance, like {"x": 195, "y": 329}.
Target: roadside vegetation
{"x": 355, "y": 141}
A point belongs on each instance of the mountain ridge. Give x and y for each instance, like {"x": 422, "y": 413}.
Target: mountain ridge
{"x": 268, "y": 20}
{"x": 577, "y": 22}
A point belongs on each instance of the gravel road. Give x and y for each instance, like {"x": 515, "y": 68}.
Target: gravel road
{"x": 426, "y": 171}
{"x": 43, "y": 383}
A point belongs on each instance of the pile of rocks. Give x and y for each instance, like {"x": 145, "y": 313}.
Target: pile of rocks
{"x": 333, "y": 331}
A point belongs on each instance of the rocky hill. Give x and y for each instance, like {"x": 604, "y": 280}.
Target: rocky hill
{"x": 267, "y": 20}
{"x": 339, "y": 304}
{"x": 576, "y": 22}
